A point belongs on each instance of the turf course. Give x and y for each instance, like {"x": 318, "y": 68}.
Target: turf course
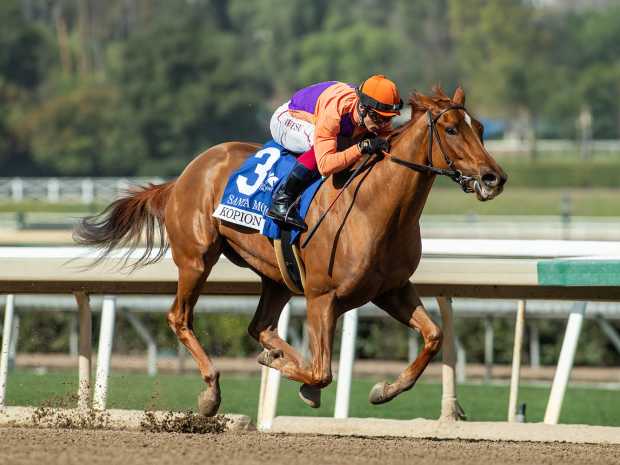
{"x": 240, "y": 395}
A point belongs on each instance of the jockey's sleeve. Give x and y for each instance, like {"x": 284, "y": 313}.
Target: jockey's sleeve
{"x": 327, "y": 127}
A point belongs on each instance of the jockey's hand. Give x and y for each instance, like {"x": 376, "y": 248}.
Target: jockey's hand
{"x": 376, "y": 145}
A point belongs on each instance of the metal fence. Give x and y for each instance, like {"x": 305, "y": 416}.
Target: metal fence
{"x": 76, "y": 190}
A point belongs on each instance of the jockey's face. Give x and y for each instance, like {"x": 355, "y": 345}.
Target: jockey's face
{"x": 376, "y": 122}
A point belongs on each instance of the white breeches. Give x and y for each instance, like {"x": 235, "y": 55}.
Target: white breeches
{"x": 292, "y": 133}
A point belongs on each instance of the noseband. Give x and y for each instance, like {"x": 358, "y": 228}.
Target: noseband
{"x": 464, "y": 181}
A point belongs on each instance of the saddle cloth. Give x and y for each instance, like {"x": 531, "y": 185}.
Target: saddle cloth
{"x": 247, "y": 196}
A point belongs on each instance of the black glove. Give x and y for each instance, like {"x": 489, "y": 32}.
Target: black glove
{"x": 376, "y": 145}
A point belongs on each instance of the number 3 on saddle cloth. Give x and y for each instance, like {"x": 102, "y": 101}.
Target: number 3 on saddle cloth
{"x": 247, "y": 198}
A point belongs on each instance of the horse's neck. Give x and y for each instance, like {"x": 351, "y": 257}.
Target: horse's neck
{"x": 405, "y": 191}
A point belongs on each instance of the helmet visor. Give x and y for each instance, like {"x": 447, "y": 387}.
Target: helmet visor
{"x": 384, "y": 109}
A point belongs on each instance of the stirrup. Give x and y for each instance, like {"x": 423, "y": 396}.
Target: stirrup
{"x": 290, "y": 218}
{"x": 295, "y": 221}
{"x": 295, "y": 218}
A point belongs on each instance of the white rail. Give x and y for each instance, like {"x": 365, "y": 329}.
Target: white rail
{"x": 67, "y": 189}
{"x": 505, "y": 269}
{"x": 516, "y": 362}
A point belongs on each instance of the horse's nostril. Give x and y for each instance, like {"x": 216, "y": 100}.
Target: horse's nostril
{"x": 490, "y": 179}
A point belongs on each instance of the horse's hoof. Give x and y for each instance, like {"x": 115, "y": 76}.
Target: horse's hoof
{"x": 267, "y": 357}
{"x": 378, "y": 393}
{"x": 311, "y": 395}
{"x": 209, "y": 402}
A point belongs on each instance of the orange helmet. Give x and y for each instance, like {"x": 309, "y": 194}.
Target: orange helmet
{"x": 380, "y": 94}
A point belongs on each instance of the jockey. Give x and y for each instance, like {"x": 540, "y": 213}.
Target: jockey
{"x": 322, "y": 123}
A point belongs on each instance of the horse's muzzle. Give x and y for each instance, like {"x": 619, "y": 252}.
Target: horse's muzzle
{"x": 489, "y": 184}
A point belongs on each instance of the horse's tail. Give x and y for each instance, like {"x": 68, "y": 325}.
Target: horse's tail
{"x": 122, "y": 222}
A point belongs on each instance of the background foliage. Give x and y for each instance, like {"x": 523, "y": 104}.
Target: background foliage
{"x": 139, "y": 87}
{"x": 226, "y": 335}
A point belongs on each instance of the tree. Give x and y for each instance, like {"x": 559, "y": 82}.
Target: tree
{"x": 190, "y": 85}
{"x": 598, "y": 69}
{"x": 325, "y": 56}
{"x": 25, "y": 57}
{"x": 502, "y": 48}
{"x": 24, "y": 50}
{"x": 425, "y": 44}
{"x": 85, "y": 133}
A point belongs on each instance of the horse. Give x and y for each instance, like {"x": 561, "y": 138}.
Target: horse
{"x": 366, "y": 250}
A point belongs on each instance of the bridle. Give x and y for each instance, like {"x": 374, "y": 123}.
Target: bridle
{"x": 466, "y": 182}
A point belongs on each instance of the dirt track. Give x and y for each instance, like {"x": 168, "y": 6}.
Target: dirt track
{"x": 51, "y": 446}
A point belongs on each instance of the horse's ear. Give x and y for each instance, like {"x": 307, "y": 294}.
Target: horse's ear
{"x": 416, "y": 101}
{"x": 459, "y": 96}
{"x": 418, "y": 105}
{"x": 438, "y": 90}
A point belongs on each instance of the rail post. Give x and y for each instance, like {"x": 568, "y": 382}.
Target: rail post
{"x": 85, "y": 348}
{"x": 534, "y": 346}
{"x": 9, "y": 314}
{"x": 610, "y": 332}
{"x": 565, "y": 364}
{"x": 345, "y": 367}
{"x": 104, "y": 352}
{"x": 450, "y": 409}
{"x": 270, "y": 381}
{"x": 488, "y": 348}
{"x": 516, "y": 362}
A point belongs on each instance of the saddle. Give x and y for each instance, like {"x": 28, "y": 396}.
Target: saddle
{"x": 247, "y": 197}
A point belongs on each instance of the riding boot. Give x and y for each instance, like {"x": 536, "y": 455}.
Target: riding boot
{"x": 283, "y": 208}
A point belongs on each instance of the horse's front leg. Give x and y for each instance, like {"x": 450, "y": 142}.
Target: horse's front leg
{"x": 405, "y": 306}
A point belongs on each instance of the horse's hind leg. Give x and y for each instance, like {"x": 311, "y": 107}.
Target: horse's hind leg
{"x": 193, "y": 271}
{"x": 278, "y": 353}
{"x": 405, "y": 306}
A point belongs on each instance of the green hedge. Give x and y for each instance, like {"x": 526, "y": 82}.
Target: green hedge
{"x": 226, "y": 335}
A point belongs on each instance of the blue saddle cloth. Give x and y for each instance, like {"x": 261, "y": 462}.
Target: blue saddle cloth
{"x": 247, "y": 196}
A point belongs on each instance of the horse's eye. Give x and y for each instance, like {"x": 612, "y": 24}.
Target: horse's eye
{"x": 451, "y": 130}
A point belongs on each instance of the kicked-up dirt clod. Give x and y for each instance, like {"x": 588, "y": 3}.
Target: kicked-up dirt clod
{"x": 188, "y": 422}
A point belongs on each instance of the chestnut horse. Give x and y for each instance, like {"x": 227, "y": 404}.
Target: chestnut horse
{"x": 366, "y": 250}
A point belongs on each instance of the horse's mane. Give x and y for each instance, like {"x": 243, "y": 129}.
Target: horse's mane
{"x": 418, "y": 109}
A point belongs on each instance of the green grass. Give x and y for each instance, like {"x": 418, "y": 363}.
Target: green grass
{"x": 240, "y": 395}
{"x": 524, "y": 201}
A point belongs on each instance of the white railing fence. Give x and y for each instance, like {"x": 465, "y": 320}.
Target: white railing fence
{"x": 66, "y": 189}
{"x": 452, "y": 268}
{"x": 271, "y": 378}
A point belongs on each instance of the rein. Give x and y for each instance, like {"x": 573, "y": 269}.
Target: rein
{"x": 342, "y": 189}
{"x": 464, "y": 181}
{"x": 454, "y": 174}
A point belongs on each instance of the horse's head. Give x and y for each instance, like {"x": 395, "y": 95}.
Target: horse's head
{"x": 456, "y": 143}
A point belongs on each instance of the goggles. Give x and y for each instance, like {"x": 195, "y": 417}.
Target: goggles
{"x": 378, "y": 119}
